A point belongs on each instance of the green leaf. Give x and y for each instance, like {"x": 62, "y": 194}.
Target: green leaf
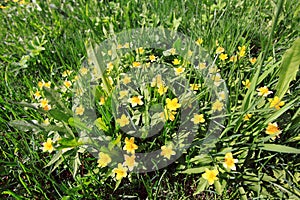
{"x": 9, "y": 192}
{"x": 218, "y": 187}
{"x": 288, "y": 69}
{"x": 201, "y": 186}
{"x": 203, "y": 159}
{"x": 194, "y": 170}
{"x": 279, "y": 112}
{"x": 242, "y": 193}
{"x": 55, "y": 158}
{"x": 69, "y": 142}
{"x": 75, "y": 122}
{"x": 76, "y": 164}
{"x": 279, "y": 148}
{"x": 59, "y": 115}
{"x": 55, "y": 100}
{"x": 23, "y": 125}
{"x": 117, "y": 184}
{"x": 100, "y": 124}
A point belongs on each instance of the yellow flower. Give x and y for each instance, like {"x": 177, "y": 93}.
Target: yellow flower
{"x": 194, "y": 86}
{"x": 246, "y": 83}
{"x": 119, "y": 46}
{"x": 47, "y": 107}
{"x": 162, "y": 89}
{"x": 223, "y": 56}
{"x": 46, "y": 122}
{"x": 176, "y": 62}
{"x": 242, "y": 51}
{"x": 102, "y": 101}
{"x": 217, "y": 79}
{"x": 252, "y": 60}
{"x": 233, "y": 58}
{"x": 273, "y": 129}
{"x": 48, "y": 146}
{"x": 264, "y": 91}
{"x": 67, "y": 83}
{"x": 130, "y": 162}
{"x": 247, "y": 117}
{"x": 21, "y": 2}
{"x": 229, "y": 162}
{"x": 166, "y": 115}
{"x": 75, "y": 78}
{"x": 123, "y": 93}
{"x": 136, "y": 100}
{"x": 172, "y": 104}
{"x": 83, "y": 70}
{"x": 202, "y": 65}
{"x": 199, "y": 41}
{"x": 41, "y": 84}
{"x": 123, "y": 121}
{"x": 152, "y": 58}
{"x": 126, "y": 45}
{"x": 37, "y": 95}
{"x": 43, "y": 102}
{"x": 217, "y": 105}
{"x": 198, "y": 119}
{"x": 167, "y": 151}
{"x": 179, "y": 70}
{"x": 213, "y": 70}
{"x": 126, "y": 80}
{"x": 66, "y": 73}
{"x": 109, "y": 66}
{"x": 276, "y": 102}
{"x": 220, "y": 50}
{"x": 120, "y": 171}
{"x": 109, "y": 52}
{"x": 130, "y": 147}
{"x": 79, "y": 110}
{"x": 222, "y": 95}
{"x": 189, "y": 53}
{"x": 210, "y": 175}
{"x": 103, "y": 160}
{"x": 173, "y": 51}
{"x": 47, "y": 85}
{"x": 157, "y": 81}
{"x": 140, "y": 50}
{"x": 136, "y": 64}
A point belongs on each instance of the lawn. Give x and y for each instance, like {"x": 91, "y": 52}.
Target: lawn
{"x": 163, "y": 99}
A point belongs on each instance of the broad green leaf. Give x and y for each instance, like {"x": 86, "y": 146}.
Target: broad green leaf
{"x": 23, "y": 125}
{"x": 218, "y": 187}
{"x": 100, "y": 124}
{"x": 55, "y": 100}
{"x": 194, "y": 170}
{"x": 55, "y": 158}
{"x": 59, "y": 115}
{"x": 288, "y": 69}
{"x": 203, "y": 159}
{"x": 201, "y": 186}
{"x": 75, "y": 122}
{"x": 279, "y": 148}
{"x": 69, "y": 142}
{"x": 242, "y": 193}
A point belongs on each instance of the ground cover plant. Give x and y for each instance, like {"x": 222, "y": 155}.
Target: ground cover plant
{"x": 158, "y": 100}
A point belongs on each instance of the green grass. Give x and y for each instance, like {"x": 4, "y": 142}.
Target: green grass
{"x": 54, "y": 39}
